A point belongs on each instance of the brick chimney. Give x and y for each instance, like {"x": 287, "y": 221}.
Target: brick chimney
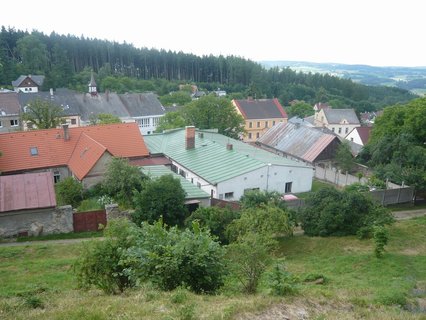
{"x": 189, "y": 137}
{"x": 66, "y": 132}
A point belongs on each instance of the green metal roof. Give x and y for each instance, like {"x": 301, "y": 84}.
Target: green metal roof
{"x": 192, "y": 191}
{"x": 210, "y": 158}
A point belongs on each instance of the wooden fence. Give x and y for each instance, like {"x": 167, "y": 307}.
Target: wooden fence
{"x": 89, "y": 221}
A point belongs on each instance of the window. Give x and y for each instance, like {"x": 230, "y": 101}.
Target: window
{"x": 174, "y": 168}
{"x": 288, "y": 186}
{"x": 257, "y": 135}
{"x": 340, "y": 130}
{"x": 258, "y": 124}
{"x": 1, "y": 124}
{"x": 352, "y": 139}
{"x": 73, "y": 121}
{"x": 192, "y": 180}
{"x": 249, "y": 135}
{"x": 273, "y": 122}
{"x": 56, "y": 176}
{"x": 346, "y": 130}
{"x": 250, "y": 124}
{"x": 143, "y": 122}
{"x": 14, "y": 122}
{"x": 34, "y": 151}
{"x": 266, "y": 124}
{"x": 155, "y": 121}
{"x": 182, "y": 173}
{"x": 333, "y": 129}
{"x": 229, "y": 195}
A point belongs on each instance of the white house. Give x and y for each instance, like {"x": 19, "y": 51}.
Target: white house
{"x": 28, "y": 84}
{"x": 339, "y": 121}
{"x": 359, "y": 135}
{"x": 226, "y": 168}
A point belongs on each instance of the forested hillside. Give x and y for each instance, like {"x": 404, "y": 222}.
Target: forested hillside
{"x": 67, "y": 61}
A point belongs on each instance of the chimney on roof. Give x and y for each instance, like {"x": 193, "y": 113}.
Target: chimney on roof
{"x": 229, "y": 146}
{"x": 66, "y": 132}
{"x": 189, "y": 137}
{"x": 201, "y": 135}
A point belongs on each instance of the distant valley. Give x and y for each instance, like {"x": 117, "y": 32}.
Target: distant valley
{"x": 410, "y": 78}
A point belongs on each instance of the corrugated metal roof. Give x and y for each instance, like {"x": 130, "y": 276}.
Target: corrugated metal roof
{"x": 27, "y": 191}
{"x": 210, "y": 158}
{"x": 300, "y": 141}
{"x": 192, "y": 191}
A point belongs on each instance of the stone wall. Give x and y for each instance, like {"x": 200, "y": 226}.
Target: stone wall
{"x": 36, "y": 222}
{"x": 113, "y": 212}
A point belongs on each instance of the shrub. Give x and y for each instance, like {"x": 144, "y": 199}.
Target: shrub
{"x": 248, "y": 258}
{"x": 100, "y": 263}
{"x": 163, "y": 197}
{"x": 265, "y": 220}
{"x": 170, "y": 258}
{"x": 333, "y": 212}
{"x": 381, "y": 237}
{"x": 69, "y": 192}
{"x": 280, "y": 281}
{"x": 216, "y": 219}
{"x": 256, "y": 198}
{"x": 89, "y": 205}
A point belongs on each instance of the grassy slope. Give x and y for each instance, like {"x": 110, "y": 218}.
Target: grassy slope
{"x": 359, "y": 285}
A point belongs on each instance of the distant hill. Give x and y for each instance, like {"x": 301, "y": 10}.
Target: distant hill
{"x": 409, "y": 78}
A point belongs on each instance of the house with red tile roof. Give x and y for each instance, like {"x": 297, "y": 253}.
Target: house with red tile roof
{"x": 81, "y": 152}
{"x": 359, "y": 135}
{"x": 259, "y": 116}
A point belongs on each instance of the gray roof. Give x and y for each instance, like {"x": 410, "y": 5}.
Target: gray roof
{"x": 300, "y": 141}
{"x": 37, "y": 79}
{"x": 335, "y": 116}
{"x": 261, "y": 109}
{"x": 85, "y": 105}
{"x": 9, "y": 104}
{"x": 300, "y": 121}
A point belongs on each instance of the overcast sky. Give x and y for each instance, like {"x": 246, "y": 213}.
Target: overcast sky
{"x": 374, "y": 32}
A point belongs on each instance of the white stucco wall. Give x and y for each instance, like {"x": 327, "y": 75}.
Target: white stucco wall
{"x": 148, "y": 124}
{"x": 301, "y": 178}
{"x": 354, "y": 136}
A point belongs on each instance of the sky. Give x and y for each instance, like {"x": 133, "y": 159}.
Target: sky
{"x": 373, "y": 32}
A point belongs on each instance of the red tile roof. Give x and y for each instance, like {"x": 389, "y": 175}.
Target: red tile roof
{"x": 85, "y": 143}
{"x": 27, "y": 191}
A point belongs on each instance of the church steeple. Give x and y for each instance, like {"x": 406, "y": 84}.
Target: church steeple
{"x": 92, "y": 86}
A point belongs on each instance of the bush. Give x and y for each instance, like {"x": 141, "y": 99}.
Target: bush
{"x": 163, "y": 197}
{"x": 216, "y": 219}
{"x": 69, "y": 192}
{"x": 248, "y": 258}
{"x": 100, "y": 263}
{"x": 256, "y": 198}
{"x": 172, "y": 258}
{"x": 89, "y": 205}
{"x": 265, "y": 220}
{"x": 381, "y": 237}
{"x": 281, "y": 282}
{"x": 338, "y": 213}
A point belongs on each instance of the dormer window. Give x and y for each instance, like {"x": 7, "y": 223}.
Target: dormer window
{"x": 34, "y": 151}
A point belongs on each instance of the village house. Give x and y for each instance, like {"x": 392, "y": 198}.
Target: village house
{"x": 259, "y": 115}
{"x": 28, "y": 84}
{"x": 82, "y": 152}
{"x": 226, "y": 168}
{"x": 359, "y": 135}
{"x": 339, "y": 121}
{"x": 9, "y": 112}
{"x": 300, "y": 142}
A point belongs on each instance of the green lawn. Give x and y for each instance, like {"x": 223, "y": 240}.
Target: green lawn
{"x": 36, "y": 283}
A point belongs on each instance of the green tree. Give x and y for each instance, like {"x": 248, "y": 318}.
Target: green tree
{"x": 343, "y": 158}
{"x": 102, "y": 263}
{"x": 179, "y": 98}
{"x": 330, "y": 212}
{"x": 171, "y": 120}
{"x": 103, "y": 118}
{"x": 211, "y": 112}
{"x": 300, "y": 109}
{"x": 214, "y": 218}
{"x": 69, "y": 192}
{"x": 256, "y": 198}
{"x": 33, "y": 54}
{"x": 162, "y": 197}
{"x": 170, "y": 258}
{"x": 121, "y": 180}
{"x": 42, "y": 114}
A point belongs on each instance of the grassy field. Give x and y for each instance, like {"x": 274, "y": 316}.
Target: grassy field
{"x": 36, "y": 283}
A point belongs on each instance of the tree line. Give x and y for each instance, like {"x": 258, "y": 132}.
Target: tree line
{"x": 66, "y": 61}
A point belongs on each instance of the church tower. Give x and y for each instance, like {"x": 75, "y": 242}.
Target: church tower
{"x": 92, "y": 86}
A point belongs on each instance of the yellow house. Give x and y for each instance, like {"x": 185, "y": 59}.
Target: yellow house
{"x": 259, "y": 116}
